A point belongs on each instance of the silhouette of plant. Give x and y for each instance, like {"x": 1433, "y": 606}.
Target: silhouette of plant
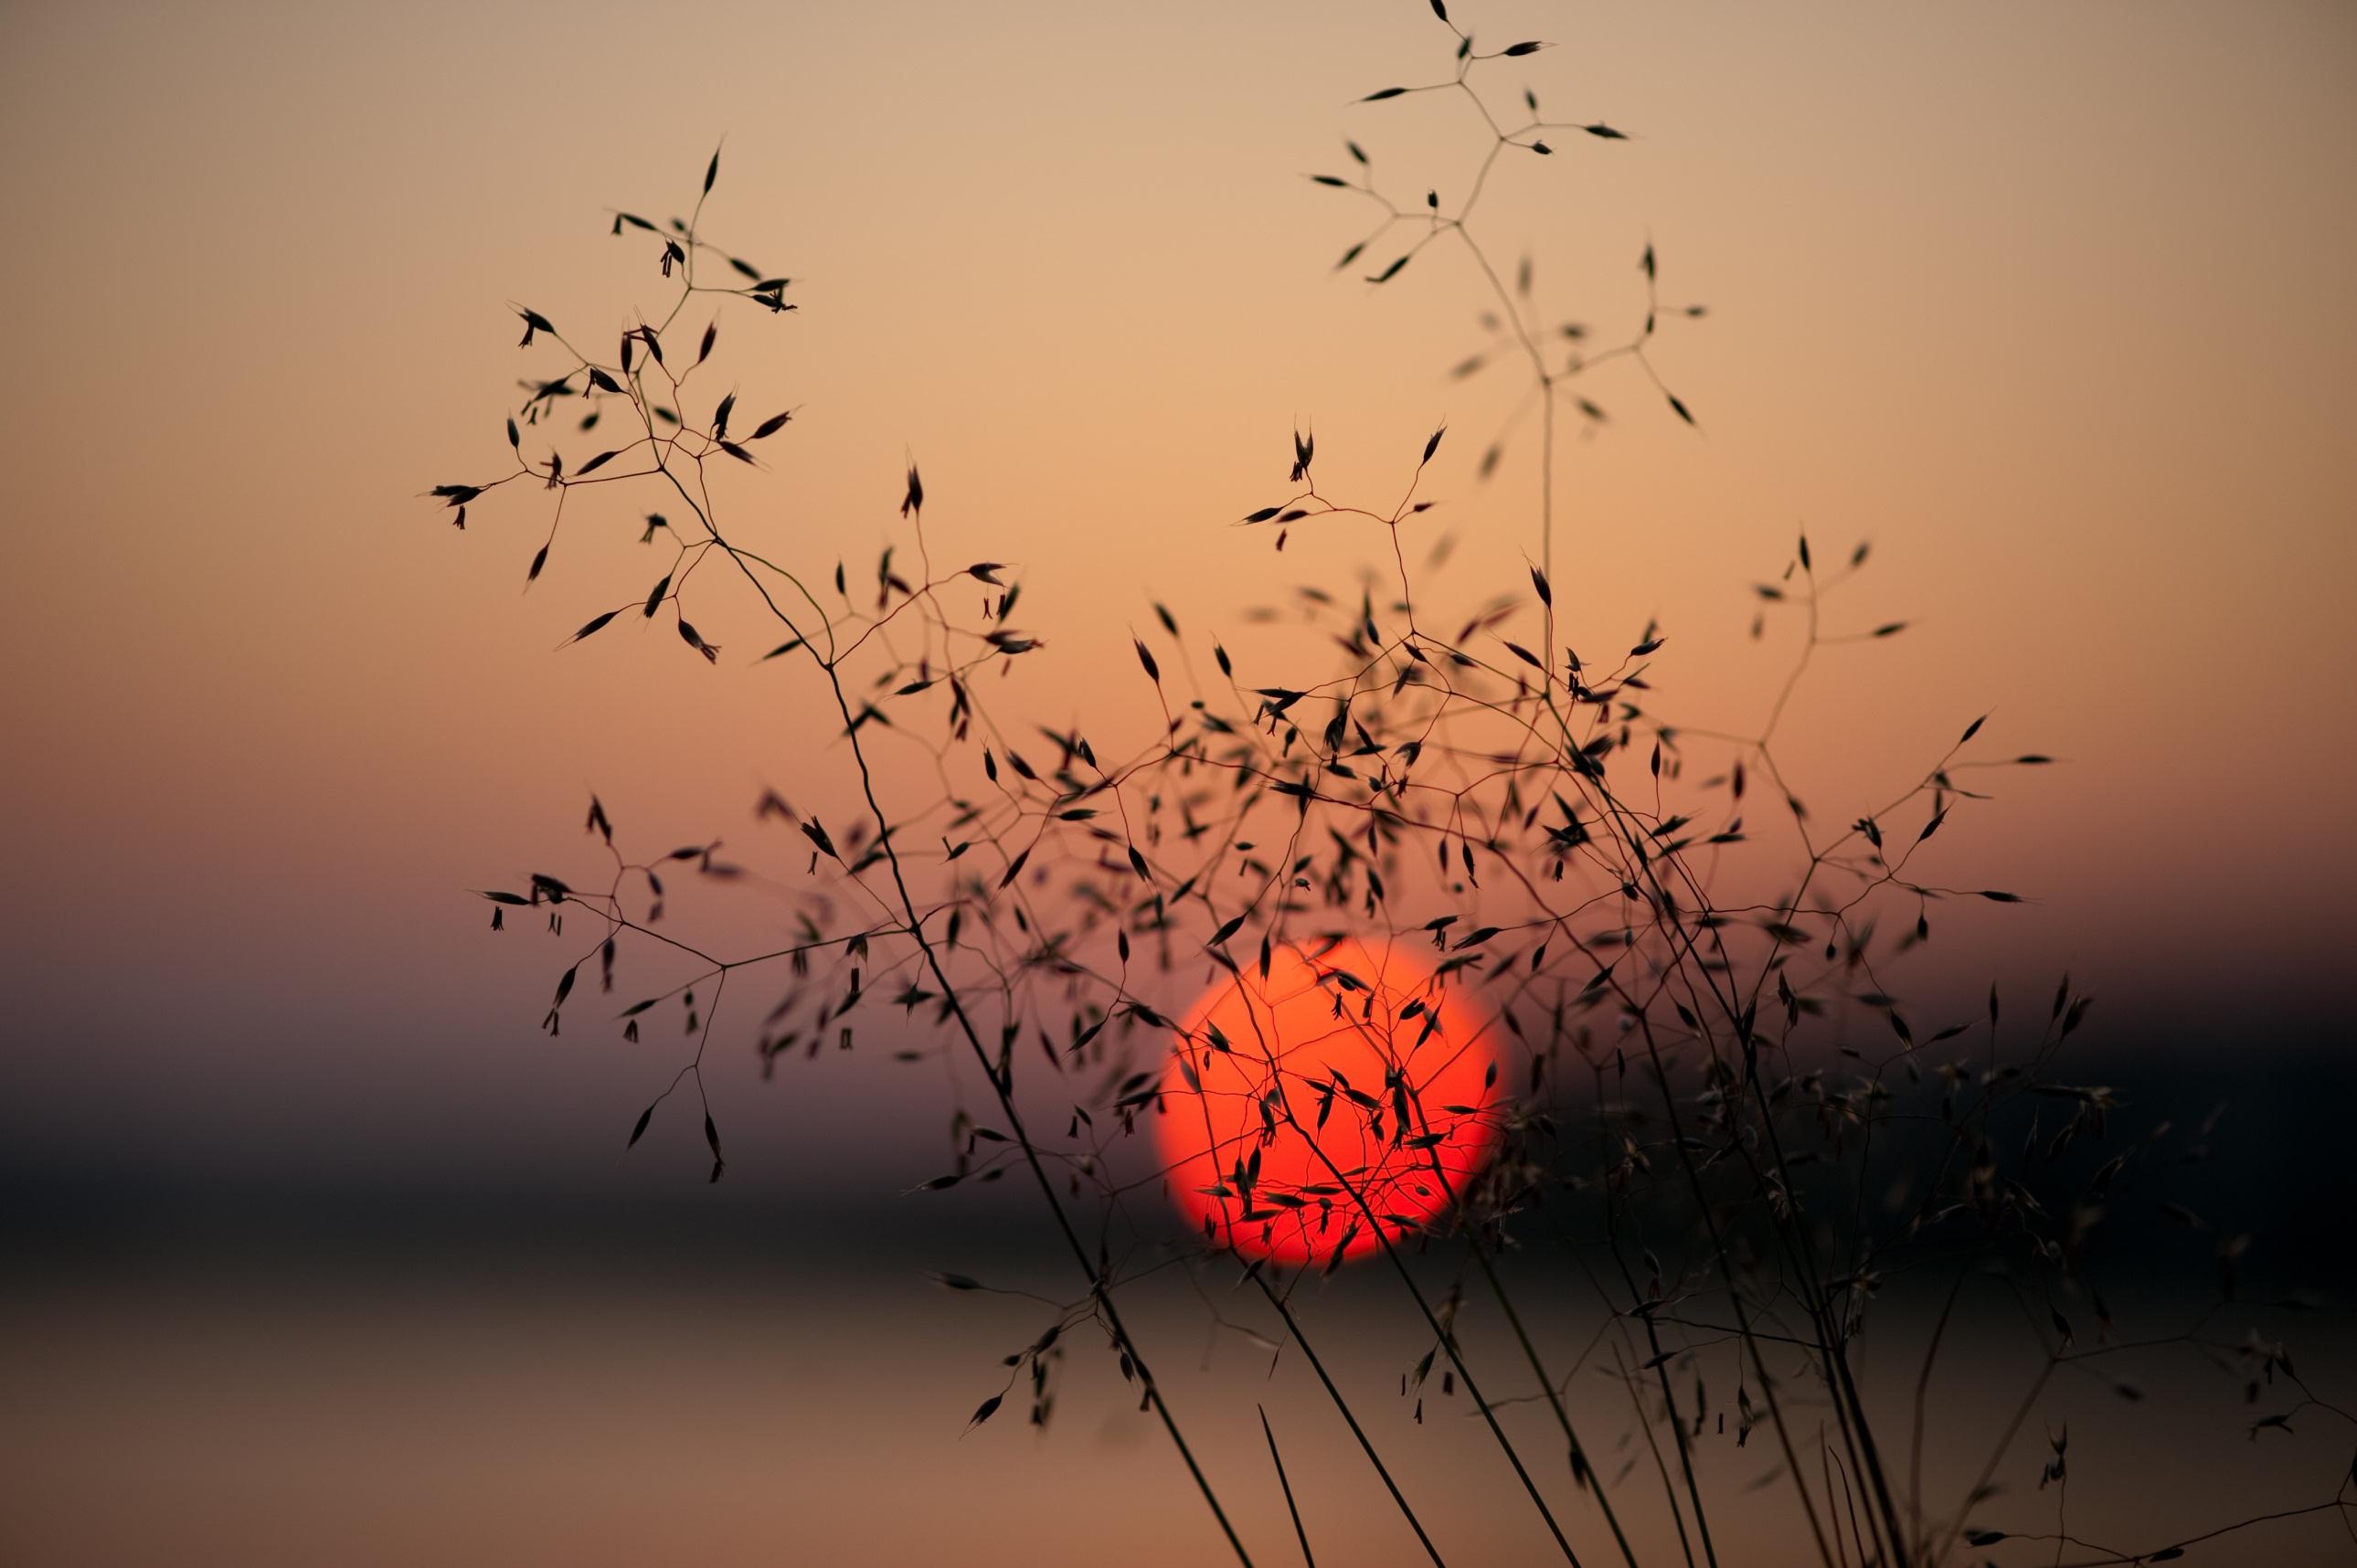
{"x": 1700, "y": 1086}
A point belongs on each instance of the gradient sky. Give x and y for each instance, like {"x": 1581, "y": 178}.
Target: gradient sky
{"x": 2049, "y": 302}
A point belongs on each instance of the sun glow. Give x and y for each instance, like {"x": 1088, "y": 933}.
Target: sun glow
{"x": 1349, "y": 1089}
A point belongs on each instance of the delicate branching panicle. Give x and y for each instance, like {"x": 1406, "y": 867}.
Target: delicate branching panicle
{"x": 1498, "y": 958}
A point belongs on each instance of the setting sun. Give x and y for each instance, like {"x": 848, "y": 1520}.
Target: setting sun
{"x": 1383, "y": 1081}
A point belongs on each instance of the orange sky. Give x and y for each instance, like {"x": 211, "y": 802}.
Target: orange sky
{"x": 2049, "y": 303}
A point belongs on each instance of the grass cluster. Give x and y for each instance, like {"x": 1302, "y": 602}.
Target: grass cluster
{"x": 1717, "y": 1104}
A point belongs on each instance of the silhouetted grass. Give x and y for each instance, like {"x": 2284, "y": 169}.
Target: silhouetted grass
{"x": 1716, "y": 1103}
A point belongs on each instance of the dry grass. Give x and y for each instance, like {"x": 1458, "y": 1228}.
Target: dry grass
{"x": 1710, "y": 1065}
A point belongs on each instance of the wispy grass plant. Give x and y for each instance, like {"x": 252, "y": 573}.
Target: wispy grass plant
{"x": 1711, "y": 1099}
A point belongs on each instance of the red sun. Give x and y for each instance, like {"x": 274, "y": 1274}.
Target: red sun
{"x": 1349, "y": 1069}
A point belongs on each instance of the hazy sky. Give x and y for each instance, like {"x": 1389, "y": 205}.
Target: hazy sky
{"x": 2050, "y": 301}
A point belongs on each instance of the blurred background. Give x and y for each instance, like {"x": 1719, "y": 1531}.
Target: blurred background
{"x": 322, "y": 1252}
